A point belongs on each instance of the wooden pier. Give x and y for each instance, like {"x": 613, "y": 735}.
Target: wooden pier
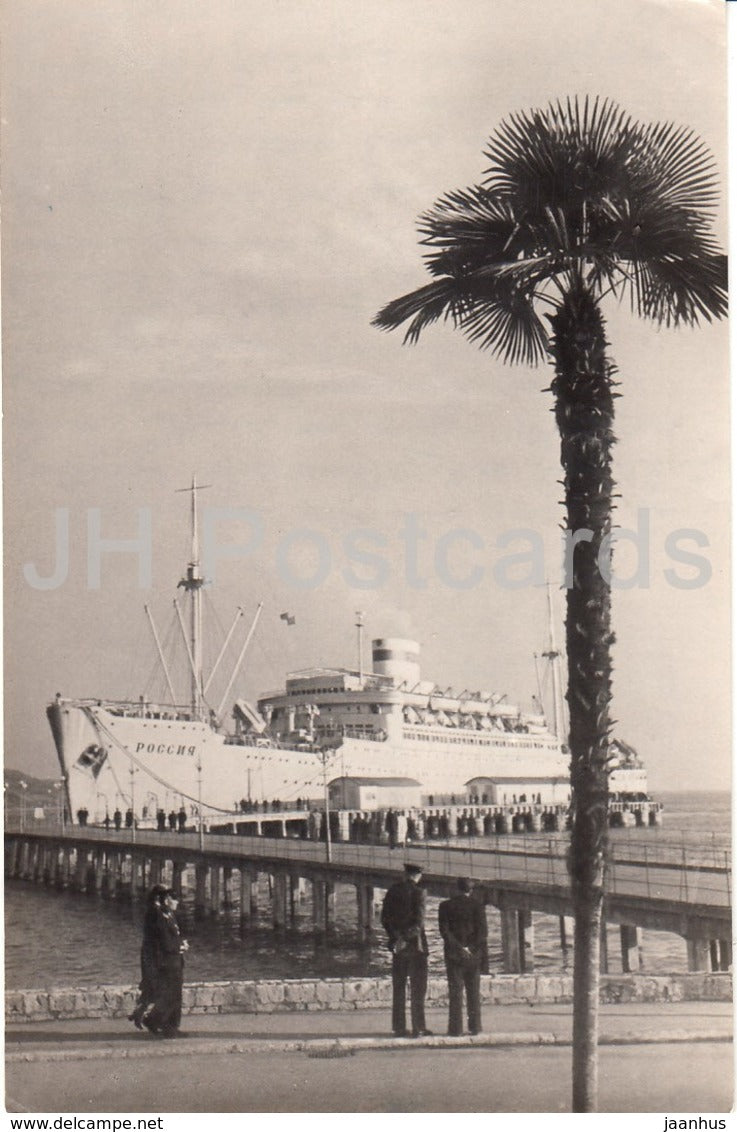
{"x": 660, "y": 887}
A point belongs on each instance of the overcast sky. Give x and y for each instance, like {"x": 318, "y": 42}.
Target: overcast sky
{"x": 204, "y": 206}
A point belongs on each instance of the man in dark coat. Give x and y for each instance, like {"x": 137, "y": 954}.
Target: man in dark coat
{"x": 149, "y": 955}
{"x": 462, "y": 922}
{"x": 162, "y": 965}
{"x": 403, "y": 919}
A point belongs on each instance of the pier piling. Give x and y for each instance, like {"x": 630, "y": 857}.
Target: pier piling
{"x": 227, "y": 887}
{"x": 603, "y": 948}
{"x": 364, "y": 910}
{"x": 319, "y": 906}
{"x": 631, "y": 949}
{"x": 177, "y": 878}
{"x": 518, "y": 878}
{"x": 279, "y": 900}
{"x": 200, "y": 890}
{"x": 138, "y": 877}
{"x": 725, "y": 955}
{"x": 215, "y": 908}
{"x": 249, "y": 894}
{"x": 295, "y": 891}
{"x": 512, "y": 954}
{"x": 699, "y": 954}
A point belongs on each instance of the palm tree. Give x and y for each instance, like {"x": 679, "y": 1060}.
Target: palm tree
{"x": 579, "y": 202}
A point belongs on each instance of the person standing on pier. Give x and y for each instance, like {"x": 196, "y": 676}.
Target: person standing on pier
{"x": 462, "y": 922}
{"x": 403, "y": 919}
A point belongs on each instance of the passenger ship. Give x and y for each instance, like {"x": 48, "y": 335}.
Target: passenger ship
{"x": 326, "y": 723}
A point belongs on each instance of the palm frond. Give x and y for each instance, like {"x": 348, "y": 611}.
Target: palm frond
{"x": 506, "y": 323}
{"x": 423, "y": 306}
{"x": 467, "y": 228}
{"x": 525, "y": 271}
{"x": 557, "y": 157}
{"x": 671, "y": 248}
{"x": 677, "y": 165}
{"x": 471, "y": 213}
{"x": 576, "y": 194}
{"x": 677, "y": 290}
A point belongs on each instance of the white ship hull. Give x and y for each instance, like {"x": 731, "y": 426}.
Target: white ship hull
{"x": 111, "y": 761}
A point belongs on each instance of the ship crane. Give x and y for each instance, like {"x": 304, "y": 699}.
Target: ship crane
{"x": 553, "y": 657}
{"x": 192, "y": 583}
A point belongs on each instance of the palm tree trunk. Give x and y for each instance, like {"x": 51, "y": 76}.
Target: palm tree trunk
{"x": 584, "y": 409}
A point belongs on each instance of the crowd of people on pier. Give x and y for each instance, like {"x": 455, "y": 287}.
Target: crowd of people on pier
{"x": 175, "y": 821}
{"x": 397, "y": 827}
{"x": 276, "y": 805}
{"x": 401, "y": 827}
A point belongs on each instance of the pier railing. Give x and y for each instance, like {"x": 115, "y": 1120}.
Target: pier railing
{"x": 677, "y": 874}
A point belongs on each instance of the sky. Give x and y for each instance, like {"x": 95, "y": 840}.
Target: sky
{"x": 204, "y": 207}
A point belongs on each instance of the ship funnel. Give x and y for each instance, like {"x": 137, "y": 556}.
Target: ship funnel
{"x": 397, "y": 658}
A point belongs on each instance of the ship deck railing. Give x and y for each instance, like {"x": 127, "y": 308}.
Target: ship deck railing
{"x": 135, "y": 709}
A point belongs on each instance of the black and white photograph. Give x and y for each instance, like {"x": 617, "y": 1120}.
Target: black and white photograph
{"x": 367, "y": 561}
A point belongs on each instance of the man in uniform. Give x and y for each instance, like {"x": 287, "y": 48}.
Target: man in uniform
{"x": 403, "y": 919}
{"x": 462, "y": 922}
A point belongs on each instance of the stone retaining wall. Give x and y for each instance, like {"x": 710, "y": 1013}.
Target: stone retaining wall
{"x": 267, "y": 996}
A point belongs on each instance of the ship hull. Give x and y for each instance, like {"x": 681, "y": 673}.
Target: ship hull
{"x": 123, "y": 761}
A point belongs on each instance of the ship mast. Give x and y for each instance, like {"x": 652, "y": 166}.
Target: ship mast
{"x": 359, "y": 627}
{"x": 193, "y": 582}
{"x": 553, "y": 657}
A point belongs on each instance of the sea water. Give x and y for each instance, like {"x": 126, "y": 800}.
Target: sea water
{"x": 66, "y": 939}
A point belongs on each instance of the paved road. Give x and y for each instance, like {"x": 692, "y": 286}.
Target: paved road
{"x": 665, "y": 1058}
{"x": 659, "y": 1078}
